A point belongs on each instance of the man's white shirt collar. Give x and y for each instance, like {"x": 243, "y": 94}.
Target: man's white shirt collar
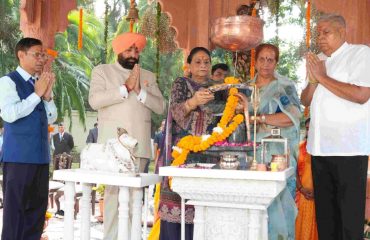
{"x": 25, "y": 75}
{"x": 340, "y": 50}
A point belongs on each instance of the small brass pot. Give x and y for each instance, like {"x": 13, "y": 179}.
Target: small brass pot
{"x": 229, "y": 161}
{"x": 280, "y": 160}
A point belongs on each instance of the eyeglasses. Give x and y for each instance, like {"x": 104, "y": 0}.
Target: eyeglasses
{"x": 39, "y": 55}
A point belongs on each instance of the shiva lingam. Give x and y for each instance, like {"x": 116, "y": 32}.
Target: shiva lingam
{"x": 238, "y": 33}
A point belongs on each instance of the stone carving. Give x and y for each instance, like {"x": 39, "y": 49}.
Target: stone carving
{"x": 228, "y": 190}
{"x": 113, "y": 156}
{"x": 236, "y": 209}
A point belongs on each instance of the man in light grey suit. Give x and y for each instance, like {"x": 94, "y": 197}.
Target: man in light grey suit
{"x": 93, "y": 134}
{"x": 124, "y": 95}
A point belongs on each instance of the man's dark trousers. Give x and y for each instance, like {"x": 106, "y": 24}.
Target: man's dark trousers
{"x": 340, "y": 194}
{"x": 24, "y": 185}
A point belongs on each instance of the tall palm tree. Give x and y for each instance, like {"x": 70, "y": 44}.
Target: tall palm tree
{"x": 73, "y": 67}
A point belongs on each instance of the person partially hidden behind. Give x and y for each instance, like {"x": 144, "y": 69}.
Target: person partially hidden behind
{"x": 93, "y": 134}
{"x": 338, "y": 94}
{"x": 62, "y": 141}
{"x": 26, "y": 106}
{"x": 219, "y": 72}
{"x": 305, "y": 225}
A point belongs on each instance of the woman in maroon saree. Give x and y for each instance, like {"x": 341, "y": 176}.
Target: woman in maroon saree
{"x": 190, "y": 112}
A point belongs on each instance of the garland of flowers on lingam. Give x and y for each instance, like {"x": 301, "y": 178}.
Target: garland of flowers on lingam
{"x": 223, "y": 130}
{"x": 201, "y": 143}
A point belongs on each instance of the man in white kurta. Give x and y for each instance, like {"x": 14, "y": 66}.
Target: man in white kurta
{"x": 124, "y": 96}
{"x": 339, "y": 137}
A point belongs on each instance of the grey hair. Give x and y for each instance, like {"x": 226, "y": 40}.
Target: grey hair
{"x": 333, "y": 18}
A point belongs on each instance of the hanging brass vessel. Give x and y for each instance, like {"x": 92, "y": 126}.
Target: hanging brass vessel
{"x": 237, "y": 32}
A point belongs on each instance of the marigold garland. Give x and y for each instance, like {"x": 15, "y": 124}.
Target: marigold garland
{"x": 253, "y": 52}
{"x": 201, "y": 143}
{"x": 52, "y": 53}
{"x": 80, "y": 25}
{"x": 308, "y": 24}
{"x": 227, "y": 125}
{"x": 308, "y": 40}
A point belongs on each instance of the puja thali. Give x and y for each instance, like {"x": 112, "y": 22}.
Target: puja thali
{"x": 221, "y": 87}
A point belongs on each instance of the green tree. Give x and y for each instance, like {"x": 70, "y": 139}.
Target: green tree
{"x": 73, "y": 67}
{"x": 9, "y": 34}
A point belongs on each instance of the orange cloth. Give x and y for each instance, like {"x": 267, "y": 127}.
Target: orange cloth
{"x": 305, "y": 226}
{"x": 125, "y": 40}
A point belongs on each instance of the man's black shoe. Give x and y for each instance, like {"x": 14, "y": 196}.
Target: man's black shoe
{"x": 60, "y": 212}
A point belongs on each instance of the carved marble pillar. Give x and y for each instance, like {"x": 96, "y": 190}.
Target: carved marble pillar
{"x": 229, "y": 204}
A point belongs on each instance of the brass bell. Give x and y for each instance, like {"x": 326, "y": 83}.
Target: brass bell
{"x": 133, "y": 13}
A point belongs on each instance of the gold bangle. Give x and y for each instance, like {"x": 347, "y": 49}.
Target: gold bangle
{"x": 263, "y": 118}
{"x": 258, "y": 119}
{"x": 313, "y": 81}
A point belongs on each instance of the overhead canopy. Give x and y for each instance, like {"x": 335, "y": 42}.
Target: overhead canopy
{"x": 192, "y": 19}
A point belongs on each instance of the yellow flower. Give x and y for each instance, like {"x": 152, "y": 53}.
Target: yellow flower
{"x": 233, "y": 91}
{"x": 48, "y": 215}
{"x": 228, "y": 123}
{"x": 231, "y": 80}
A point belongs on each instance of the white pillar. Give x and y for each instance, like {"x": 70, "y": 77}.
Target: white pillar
{"x": 123, "y": 213}
{"x": 146, "y": 193}
{"x": 85, "y": 211}
{"x": 69, "y": 195}
{"x": 182, "y": 218}
{"x": 199, "y": 223}
{"x": 254, "y": 224}
{"x": 137, "y": 196}
{"x": 265, "y": 225}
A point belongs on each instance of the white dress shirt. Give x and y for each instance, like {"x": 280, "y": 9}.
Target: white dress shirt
{"x": 339, "y": 127}
{"x": 13, "y": 108}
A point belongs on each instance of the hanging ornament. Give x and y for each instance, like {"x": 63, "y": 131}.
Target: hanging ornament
{"x": 306, "y": 111}
{"x": 79, "y": 45}
{"x": 51, "y": 52}
{"x": 253, "y": 50}
{"x": 308, "y": 24}
{"x": 133, "y": 15}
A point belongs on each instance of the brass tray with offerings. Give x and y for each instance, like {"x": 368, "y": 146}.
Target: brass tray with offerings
{"x": 225, "y": 86}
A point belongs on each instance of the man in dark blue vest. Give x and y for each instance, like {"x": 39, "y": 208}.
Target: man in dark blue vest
{"x": 26, "y": 107}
